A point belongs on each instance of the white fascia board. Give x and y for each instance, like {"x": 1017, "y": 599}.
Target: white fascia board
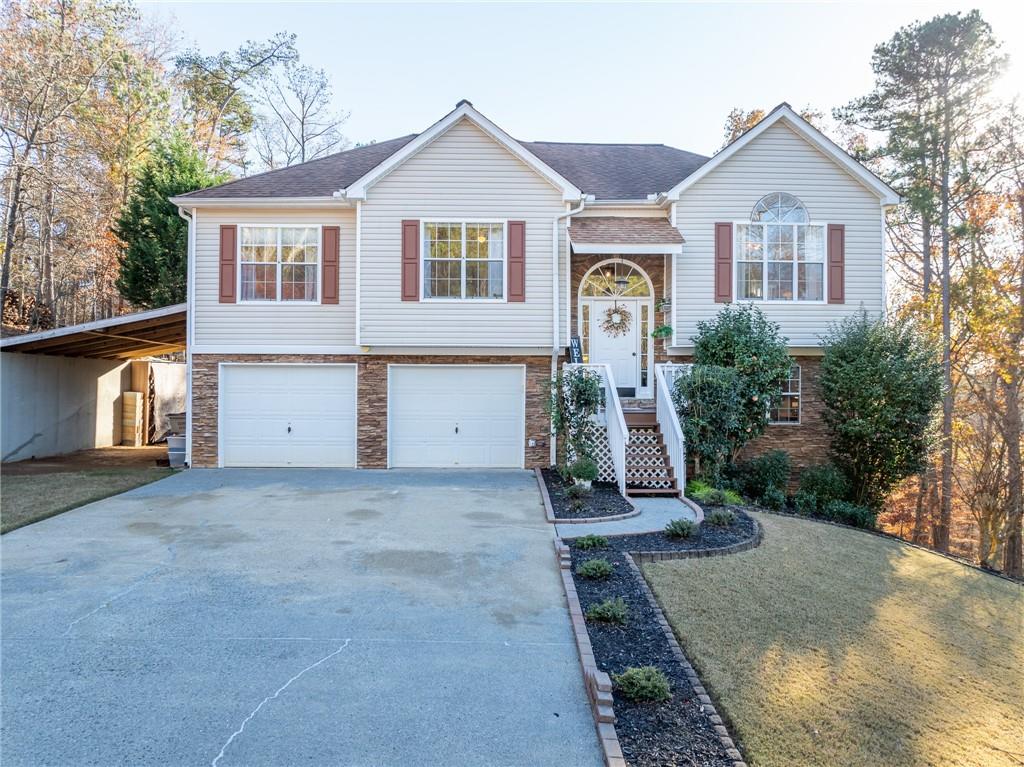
{"x": 95, "y": 325}
{"x": 615, "y": 249}
{"x": 357, "y": 189}
{"x": 885, "y": 193}
{"x": 261, "y": 202}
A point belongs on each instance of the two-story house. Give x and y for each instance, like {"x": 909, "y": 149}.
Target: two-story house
{"x": 403, "y": 304}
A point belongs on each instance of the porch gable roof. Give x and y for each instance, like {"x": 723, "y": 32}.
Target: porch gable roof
{"x": 624, "y": 235}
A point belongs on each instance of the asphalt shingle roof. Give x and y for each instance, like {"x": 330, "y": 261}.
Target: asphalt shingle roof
{"x": 607, "y": 171}
{"x": 316, "y": 178}
{"x": 623, "y": 231}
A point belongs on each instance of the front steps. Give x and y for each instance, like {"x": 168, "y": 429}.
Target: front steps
{"x": 647, "y": 468}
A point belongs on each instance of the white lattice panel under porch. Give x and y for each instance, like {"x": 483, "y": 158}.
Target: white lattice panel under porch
{"x": 598, "y": 436}
{"x": 645, "y": 461}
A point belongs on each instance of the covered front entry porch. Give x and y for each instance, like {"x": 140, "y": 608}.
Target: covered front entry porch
{"x": 620, "y": 277}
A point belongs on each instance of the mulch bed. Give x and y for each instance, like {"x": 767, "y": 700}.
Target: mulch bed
{"x": 603, "y": 500}
{"x": 676, "y": 732}
{"x": 708, "y": 536}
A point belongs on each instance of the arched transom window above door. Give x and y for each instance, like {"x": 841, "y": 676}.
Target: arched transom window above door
{"x": 615, "y": 279}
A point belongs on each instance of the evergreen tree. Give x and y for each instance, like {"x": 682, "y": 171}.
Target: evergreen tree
{"x": 154, "y": 251}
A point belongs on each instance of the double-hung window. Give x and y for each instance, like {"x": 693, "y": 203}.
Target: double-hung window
{"x": 279, "y": 263}
{"x": 780, "y": 254}
{"x": 464, "y": 260}
{"x": 786, "y": 408}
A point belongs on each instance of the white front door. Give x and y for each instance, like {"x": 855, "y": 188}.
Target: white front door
{"x": 288, "y": 415}
{"x": 456, "y": 415}
{"x": 621, "y": 351}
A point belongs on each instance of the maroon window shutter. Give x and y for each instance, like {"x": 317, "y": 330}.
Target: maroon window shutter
{"x": 228, "y": 263}
{"x": 330, "y": 256}
{"x": 723, "y": 263}
{"x": 411, "y": 260}
{"x": 517, "y": 261}
{"x": 836, "y": 263}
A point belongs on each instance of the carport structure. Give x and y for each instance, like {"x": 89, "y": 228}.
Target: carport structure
{"x": 131, "y": 336}
{"x": 68, "y": 389}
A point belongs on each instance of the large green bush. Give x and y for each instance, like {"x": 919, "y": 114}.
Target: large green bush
{"x": 740, "y": 337}
{"x": 881, "y": 383}
{"x": 849, "y": 514}
{"x": 758, "y": 475}
{"x": 707, "y": 399}
{"x": 824, "y": 483}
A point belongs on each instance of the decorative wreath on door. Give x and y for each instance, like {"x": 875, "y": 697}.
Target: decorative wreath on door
{"x": 617, "y": 320}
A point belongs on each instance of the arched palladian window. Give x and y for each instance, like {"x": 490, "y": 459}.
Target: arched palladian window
{"x": 615, "y": 279}
{"x": 780, "y": 254}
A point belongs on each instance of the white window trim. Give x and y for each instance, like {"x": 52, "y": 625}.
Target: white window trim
{"x": 799, "y": 398}
{"x": 277, "y": 296}
{"x": 764, "y": 272}
{"x": 462, "y": 299}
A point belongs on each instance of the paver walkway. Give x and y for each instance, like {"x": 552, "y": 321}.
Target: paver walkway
{"x": 654, "y": 514}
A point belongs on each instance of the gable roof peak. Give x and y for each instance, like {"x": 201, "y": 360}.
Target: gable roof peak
{"x": 464, "y": 102}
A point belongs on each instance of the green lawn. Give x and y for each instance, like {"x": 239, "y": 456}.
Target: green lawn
{"x": 31, "y": 497}
{"x": 833, "y": 647}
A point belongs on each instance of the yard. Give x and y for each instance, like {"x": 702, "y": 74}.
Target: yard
{"x": 828, "y": 646}
{"x": 34, "y": 490}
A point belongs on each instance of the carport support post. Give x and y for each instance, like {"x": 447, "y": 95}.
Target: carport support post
{"x": 140, "y": 383}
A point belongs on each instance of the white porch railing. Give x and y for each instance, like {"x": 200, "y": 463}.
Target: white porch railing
{"x": 613, "y": 418}
{"x": 668, "y": 419}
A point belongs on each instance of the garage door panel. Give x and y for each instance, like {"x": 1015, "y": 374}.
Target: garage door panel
{"x": 456, "y": 415}
{"x": 261, "y": 402}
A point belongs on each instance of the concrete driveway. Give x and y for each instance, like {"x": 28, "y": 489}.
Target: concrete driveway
{"x": 249, "y": 617}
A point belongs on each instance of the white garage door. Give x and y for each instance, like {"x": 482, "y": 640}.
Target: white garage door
{"x": 288, "y": 415}
{"x": 456, "y": 415}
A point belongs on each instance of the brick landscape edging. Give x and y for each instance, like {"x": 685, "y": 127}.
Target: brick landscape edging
{"x": 731, "y": 749}
{"x": 549, "y": 510}
{"x": 721, "y": 551}
{"x": 597, "y": 682}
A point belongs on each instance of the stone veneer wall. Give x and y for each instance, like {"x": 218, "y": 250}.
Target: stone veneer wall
{"x": 371, "y": 443}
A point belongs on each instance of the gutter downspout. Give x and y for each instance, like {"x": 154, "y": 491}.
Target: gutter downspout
{"x": 555, "y": 324}
{"x": 189, "y": 314}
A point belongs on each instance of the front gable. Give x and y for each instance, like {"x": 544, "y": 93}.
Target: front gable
{"x": 463, "y": 115}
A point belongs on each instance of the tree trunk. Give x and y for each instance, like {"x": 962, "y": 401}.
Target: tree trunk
{"x": 940, "y": 534}
{"x": 11, "y": 229}
{"x": 1012, "y": 543}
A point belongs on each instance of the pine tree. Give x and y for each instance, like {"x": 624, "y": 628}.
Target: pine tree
{"x": 154, "y": 251}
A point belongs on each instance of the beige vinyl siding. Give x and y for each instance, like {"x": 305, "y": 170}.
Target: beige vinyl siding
{"x": 463, "y": 174}
{"x": 779, "y": 161}
{"x": 272, "y": 325}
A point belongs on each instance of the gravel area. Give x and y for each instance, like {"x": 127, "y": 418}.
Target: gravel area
{"x": 676, "y": 732}
{"x": 603, "y": 500}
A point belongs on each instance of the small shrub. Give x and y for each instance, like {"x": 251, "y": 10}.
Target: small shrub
{"x": 720, "y": 517}
{"x": 756, "y": 476}
{"x": 597, "y": 569}
{"x": 576, "y": 505}
{"x": 805, "y": 503}
{"x": 584, "y": 469}
{"x": 646, "y": 683}
{"x": 575, "y": 492}
{"x": 704, "y": 493}
{"x": 773, "y": 499}
{"x": 825, "y": 482}
{"x": 609, "y": 611}
{"x": 587, "y": 542}
{"x": 849, "y": 514}
{"x": 680, "y": 528}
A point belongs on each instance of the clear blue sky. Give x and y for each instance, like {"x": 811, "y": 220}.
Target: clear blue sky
{"x": 662, "y": 73}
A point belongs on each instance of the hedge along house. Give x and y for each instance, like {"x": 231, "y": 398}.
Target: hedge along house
{"x": 403, "y": 304}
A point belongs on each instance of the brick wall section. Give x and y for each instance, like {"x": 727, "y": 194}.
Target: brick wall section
{"x": 372, "y": 399}
{"x": 808, "y": 442}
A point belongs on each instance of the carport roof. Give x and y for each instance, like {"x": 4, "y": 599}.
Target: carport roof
{"x": 141, "y": 334}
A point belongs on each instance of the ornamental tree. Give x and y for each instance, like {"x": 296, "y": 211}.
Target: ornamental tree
{"x": 742, "y": 338}
{"x": 881, "y": 384}
{"x": 154, "y": 251}
{"x": 710, "y": 407}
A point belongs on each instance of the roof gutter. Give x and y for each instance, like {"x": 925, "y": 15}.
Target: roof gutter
{"x": 555, "y": 346}
{"x": 261, "y": 202}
